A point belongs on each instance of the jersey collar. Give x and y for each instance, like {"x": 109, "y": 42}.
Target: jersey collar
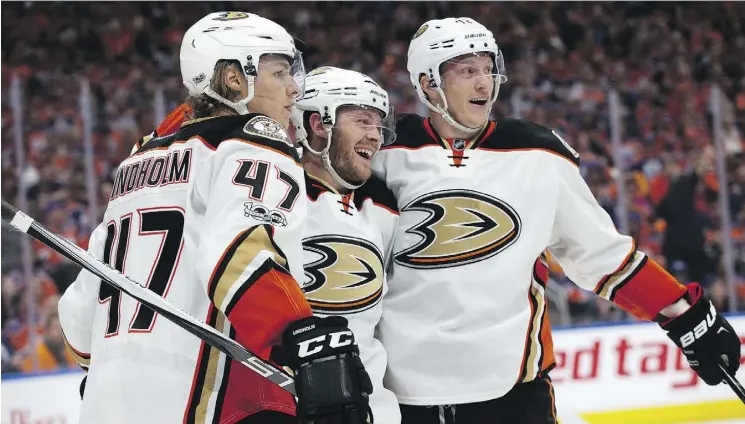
{"x": 346, "y": 199}
{"x": 456, "y": 144}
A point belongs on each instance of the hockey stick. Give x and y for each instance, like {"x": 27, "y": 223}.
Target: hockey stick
{"x": 733, "y": 383}
{"x": 71, "y": 251}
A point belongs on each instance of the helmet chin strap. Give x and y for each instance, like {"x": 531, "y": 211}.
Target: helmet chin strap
{"x": 241, "y": 106}
{"x": 324, "y": 154}
{"x": 339, "y": 180}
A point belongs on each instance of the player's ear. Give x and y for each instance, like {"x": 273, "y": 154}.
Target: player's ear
{"x": 233, "y": 79}
{"x": 316, "y": 126}
{"x": 429, "y": 88}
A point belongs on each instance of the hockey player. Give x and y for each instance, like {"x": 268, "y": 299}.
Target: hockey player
{"x": 342, "y": 121}
{"x": 211, "y": 218}
{"x": 464, "y": 322}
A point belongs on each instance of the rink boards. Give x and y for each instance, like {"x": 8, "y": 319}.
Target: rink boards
{"x": 605, "y": 374}
{"x": 634, "y": 374}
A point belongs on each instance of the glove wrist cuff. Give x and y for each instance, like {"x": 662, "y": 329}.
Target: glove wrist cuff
{"x": 698, "y": 308}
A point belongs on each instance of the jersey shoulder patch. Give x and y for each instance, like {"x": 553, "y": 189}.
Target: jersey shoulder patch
{"x": 517, "y": 134}
{"x": 265, "y": 132}
{"x": 256, "y": 129}
{"x": 411, "y": 133}
{"x": 376, "y": 190}
{"x": 266, "y": 127}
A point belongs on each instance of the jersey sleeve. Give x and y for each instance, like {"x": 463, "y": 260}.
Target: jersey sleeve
{"x": 77, "y": 306}
{"x": 597, "y": 258}
{"x": 250, "y": 245}
{"x": 384, "y": 214}
{"x": 374, "y": 356}
{"x": 388, "y": 223}
{"x": 383, "y": 401}
{"x": 379, "y": 165}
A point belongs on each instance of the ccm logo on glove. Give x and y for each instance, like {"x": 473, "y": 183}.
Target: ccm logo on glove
{"x": 336, "y": 340}
{"x": 700, "y": 329}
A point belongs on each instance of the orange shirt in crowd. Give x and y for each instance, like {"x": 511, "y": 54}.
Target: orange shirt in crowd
{"x": 47, "y": 361}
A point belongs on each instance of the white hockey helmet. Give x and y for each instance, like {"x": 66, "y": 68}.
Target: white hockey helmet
{"x": 440, "y": 40}
{"x": 239, "y": 36}
{"x": 329, "y": 88}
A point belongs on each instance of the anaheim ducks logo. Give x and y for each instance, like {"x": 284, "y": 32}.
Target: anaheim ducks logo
{"x": 231, "y": 16}
{"x": 420, "y": 31}
{"x": 319, "y": 71}
{"x": 463, "y": 226}
{"x": 348, "y": 276}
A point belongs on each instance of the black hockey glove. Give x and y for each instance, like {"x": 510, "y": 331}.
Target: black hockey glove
{"x": 331, "y": 382}
{"x": 705, "y": 337}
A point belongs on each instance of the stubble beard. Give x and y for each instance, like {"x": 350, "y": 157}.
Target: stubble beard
{"x": 344, "y": 164}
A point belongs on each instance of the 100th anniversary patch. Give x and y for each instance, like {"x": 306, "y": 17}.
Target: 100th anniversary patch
{"x": 266, "y": 127}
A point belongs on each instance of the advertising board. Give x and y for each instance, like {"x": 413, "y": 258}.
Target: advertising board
{"x": 630, "y": 374}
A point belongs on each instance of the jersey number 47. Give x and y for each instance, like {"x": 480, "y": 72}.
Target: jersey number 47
{"x": 166, "y": 223}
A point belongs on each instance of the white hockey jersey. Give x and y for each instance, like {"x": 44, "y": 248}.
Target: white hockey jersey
{"x": 465, "y": 318}
{"x": 211, "y": 218}
{"x": 347, "y": 245}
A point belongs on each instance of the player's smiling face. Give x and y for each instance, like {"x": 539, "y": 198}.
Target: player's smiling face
{"x": 468, "y": 83}
{"x": 356, "y": 138}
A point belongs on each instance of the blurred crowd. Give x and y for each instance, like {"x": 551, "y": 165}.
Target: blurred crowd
{"x": 562, "y": 61}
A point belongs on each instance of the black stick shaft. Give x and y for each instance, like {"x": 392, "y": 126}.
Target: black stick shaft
{"x": 733, "y": 383}
{"x": 71, "y": 251}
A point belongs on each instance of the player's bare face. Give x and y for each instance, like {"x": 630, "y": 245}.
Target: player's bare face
{"x": 355, "y": 140}
{"x": 274, "y": 89}
{"x": 468, "y": 83}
